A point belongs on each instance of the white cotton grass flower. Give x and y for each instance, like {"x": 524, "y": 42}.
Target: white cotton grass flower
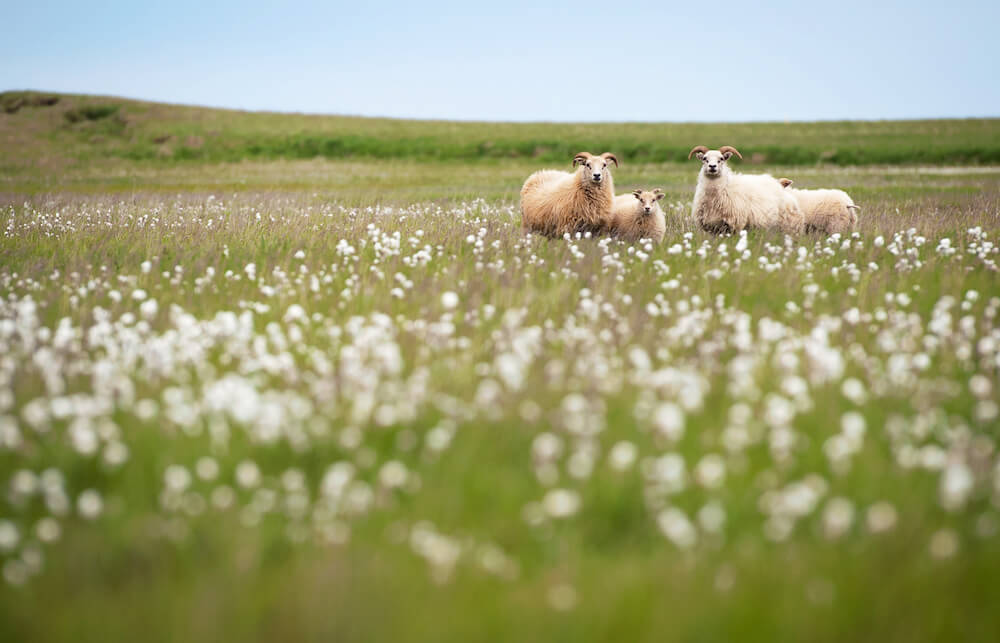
{"x": 206, "y": 468}
{"x": 668, "y": 472}
{"x": 301, "y": 254}
{"x": 222, "y": 497}
{"x": 546, "y": 447}
{"x": 295, "y": 313}
{"x": 89, "y": 504}
{"x": 449, "y": 300}
{"x": 148, "y": 309}
{"x": 176, "y": 478}
{"x": 987, "y": 411}
{"x": 668, "y": 421}
{"x": 980, "y": 386}
{"x": 622, "y": 455}
{"x": 853, "y": 426}
{"x": 9, "y": 536}
{"x": 838, "y": 516}
{"x": 48, "y": 530}
{"x": 439, "y": 438}
{"x": 957, "y": 483}
{"x": 854, "y": 390}
{"x": 247, "y": 474}
{"x": 23, "y": 483}
{"x": 83, "y": 437}
{"x": 944, "y": 543}
{"x": 561, "y": 503}
{"x": 710, "y": 472}
{"x": 580, "y": 464}
{"x": 115, "y": 454}
{"x": 881, "y": 517}
{"x": 712, "y": 517}
{"x": 393, "y": 474}
{"x": 675, "y": 525}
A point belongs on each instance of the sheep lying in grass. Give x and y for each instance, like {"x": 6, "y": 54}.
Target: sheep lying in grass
{"x": 825, "y": 211}
{"x": 554, "y": 203}
{"x": 727, "y": 201}
{"x": 638, "y": 216}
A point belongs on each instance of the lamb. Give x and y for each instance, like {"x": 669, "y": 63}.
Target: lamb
{"x": 727, "y": 202}
{"x": 638, "y": 216}
{"x": 825, "y": 211}
{"x": 554, "y": 203}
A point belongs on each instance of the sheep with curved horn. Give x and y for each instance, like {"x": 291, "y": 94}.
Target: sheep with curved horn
{"x": 727, "y": 201}
{"x": 556, "y": 203}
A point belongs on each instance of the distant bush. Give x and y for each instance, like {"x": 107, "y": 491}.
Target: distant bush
{"x": 11, "y": 102}
{"x": 90, "y": 113}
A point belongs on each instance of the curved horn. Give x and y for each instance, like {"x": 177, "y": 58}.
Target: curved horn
{"x": 581, "y": 158}
{"x": 696, "y": 149}
{"x": 610, "y": 157}
{"x": 732, "y": 150}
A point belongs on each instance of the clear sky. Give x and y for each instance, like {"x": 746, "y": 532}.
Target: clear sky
{"x": 510, "y": 60}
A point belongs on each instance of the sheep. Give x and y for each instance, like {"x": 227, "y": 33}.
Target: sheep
{"x": 638, "y": 216}
{"x": 825, "y": 211}
{"x": 727, "y": 202}
{"x": 554, "y": 203}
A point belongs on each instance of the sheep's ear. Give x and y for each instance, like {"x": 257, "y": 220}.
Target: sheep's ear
{"x": 785, "y": 182}
{"x": 698, "y": 151}
{"x": 659, "y": 194}
{"x": 728, "y": 151}
{"x": 637, "y": 194}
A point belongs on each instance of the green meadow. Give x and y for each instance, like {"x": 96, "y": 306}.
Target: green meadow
{"x": 275, "y": 377}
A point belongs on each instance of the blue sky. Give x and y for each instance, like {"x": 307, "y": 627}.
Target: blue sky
{"x": 574, "y": 61}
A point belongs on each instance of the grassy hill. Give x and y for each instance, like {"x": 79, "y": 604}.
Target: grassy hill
{"x": 51, "y": 131}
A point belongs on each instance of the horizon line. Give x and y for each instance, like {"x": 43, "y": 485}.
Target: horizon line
{"x": 494, "y": 121}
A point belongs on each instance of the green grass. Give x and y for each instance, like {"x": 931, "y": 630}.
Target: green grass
{"x": 81, "y": 219}
{"x": 160, "y": 133}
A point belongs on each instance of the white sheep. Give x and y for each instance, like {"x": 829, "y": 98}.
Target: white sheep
{"x": 554, "y": 203}
{"x": 727, "y": 201}
{"x": 825, "y": 211}
{"x": 638, "y": 216}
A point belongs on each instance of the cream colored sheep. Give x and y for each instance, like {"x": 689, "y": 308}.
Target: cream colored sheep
{"x": 638, "y": 216}
{"x": 727, "y": 201}
{"x": 825, "y": 211}
{"x": 554, "y": 203}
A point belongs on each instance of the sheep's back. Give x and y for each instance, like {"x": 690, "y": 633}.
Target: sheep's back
{"x": 826, "y": 210}
{"x": 539, "y": 199}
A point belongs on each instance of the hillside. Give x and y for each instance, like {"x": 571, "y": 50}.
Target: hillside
{"x": 45, "y": 132}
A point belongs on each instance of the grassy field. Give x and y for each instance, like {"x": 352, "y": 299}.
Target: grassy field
{"x": 258, "y": 395}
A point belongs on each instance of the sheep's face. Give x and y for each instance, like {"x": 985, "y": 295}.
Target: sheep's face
{"x": 647, "y": 200}
{"x": 595, "y": 169}
{"x": 713, "y": 162}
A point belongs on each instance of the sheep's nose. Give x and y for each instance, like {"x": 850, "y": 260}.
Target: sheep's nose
{"x": 711, "y": 167}
{"x": 648, "y": 210}
{"x": 597, "y": 177}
